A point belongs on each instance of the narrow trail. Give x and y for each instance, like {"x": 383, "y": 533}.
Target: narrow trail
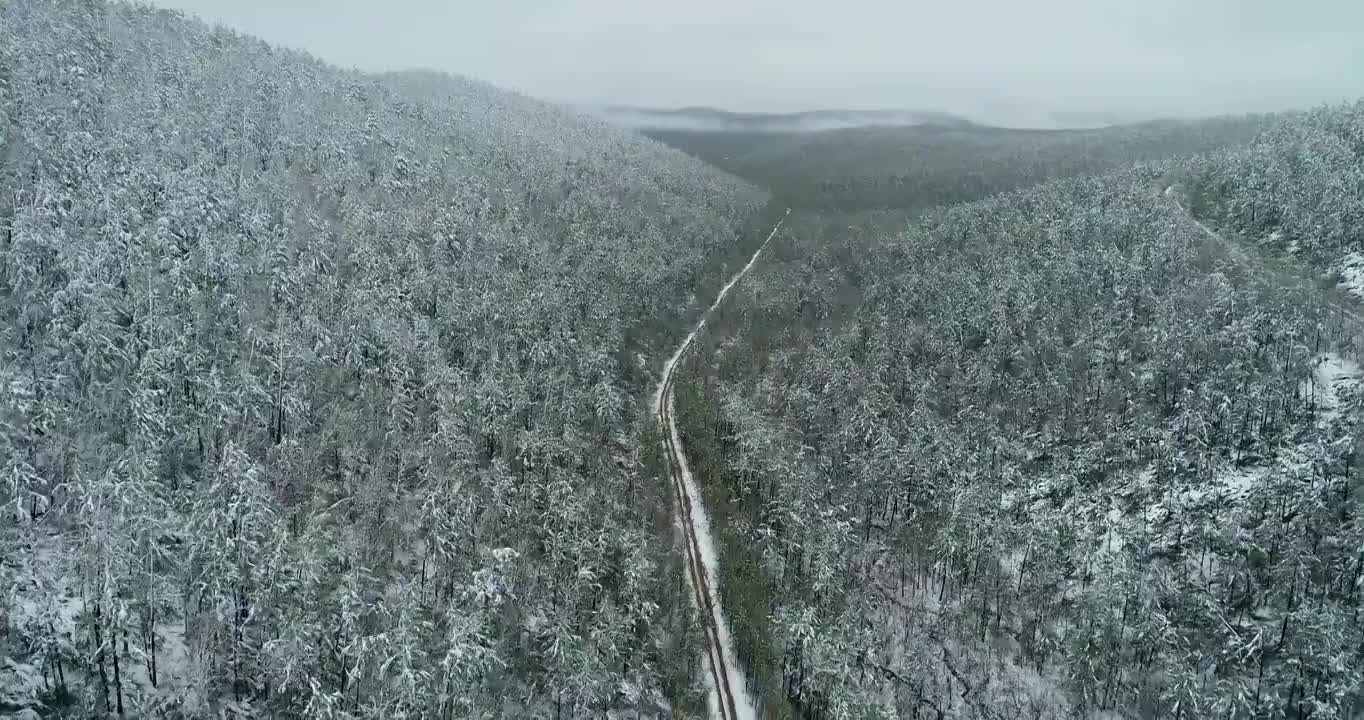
{"x": 1237, "y": 252}
{"x": 728, "y": 698}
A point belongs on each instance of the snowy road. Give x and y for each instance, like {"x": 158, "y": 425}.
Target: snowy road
{"x": 728, "y": 698}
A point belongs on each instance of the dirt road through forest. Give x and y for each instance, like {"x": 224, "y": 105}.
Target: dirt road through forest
{"x": 728, "y": 698}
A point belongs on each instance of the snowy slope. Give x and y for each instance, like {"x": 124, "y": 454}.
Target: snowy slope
{"x": 1351, "y": 271}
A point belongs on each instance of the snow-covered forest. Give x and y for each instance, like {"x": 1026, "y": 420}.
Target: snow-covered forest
{"x": 322, "y": 392}
{"x": 1296, "y": 191}
{"x": 1056, "y": 453}
{"x": 326, "y": 394}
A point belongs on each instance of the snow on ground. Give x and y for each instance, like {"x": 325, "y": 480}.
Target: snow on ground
{"x": 1335, "y": 381}
{"x": 39, "y": 594}
{"x": 1236, "y": 482}
{"x": 20, "y": 686}
{"x": 42, "y": 593}
{"x": 1334, "y": 386}
{"x": 1351, "y": 271}
{"x": 1112, "y": 540}
{"x": 1276, "y": 237}
{"x": 910, "y": 619}
{"x": 1229, "y": 484}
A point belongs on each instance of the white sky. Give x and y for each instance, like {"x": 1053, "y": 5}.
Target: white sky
{"x": 1179, "y": 57}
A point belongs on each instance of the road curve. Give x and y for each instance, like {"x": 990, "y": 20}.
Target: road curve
{"x": 728, "y": 698}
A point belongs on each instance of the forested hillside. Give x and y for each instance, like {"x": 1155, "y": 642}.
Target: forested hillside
{"x": 914, "y": 168}
{"x": 1297, "y": 192}
{"x": 1057, "y": 453}
{"x": 322, "y": 391}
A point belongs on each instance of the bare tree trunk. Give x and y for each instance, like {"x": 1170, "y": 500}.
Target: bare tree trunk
{"x": 118, "y": 675}
{"x": 99, "y": 658}
{"x": 151, "y": 646}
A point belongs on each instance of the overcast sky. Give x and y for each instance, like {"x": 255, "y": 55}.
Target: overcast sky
{"x": 971, "y": 56}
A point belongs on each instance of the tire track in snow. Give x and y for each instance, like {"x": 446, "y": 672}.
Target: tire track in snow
{"x": 728, "y": 699}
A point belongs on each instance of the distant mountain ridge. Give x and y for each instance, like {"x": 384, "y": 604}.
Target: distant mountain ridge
{"x": 715, "y": 119}
{"x": 702, "y": 118}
